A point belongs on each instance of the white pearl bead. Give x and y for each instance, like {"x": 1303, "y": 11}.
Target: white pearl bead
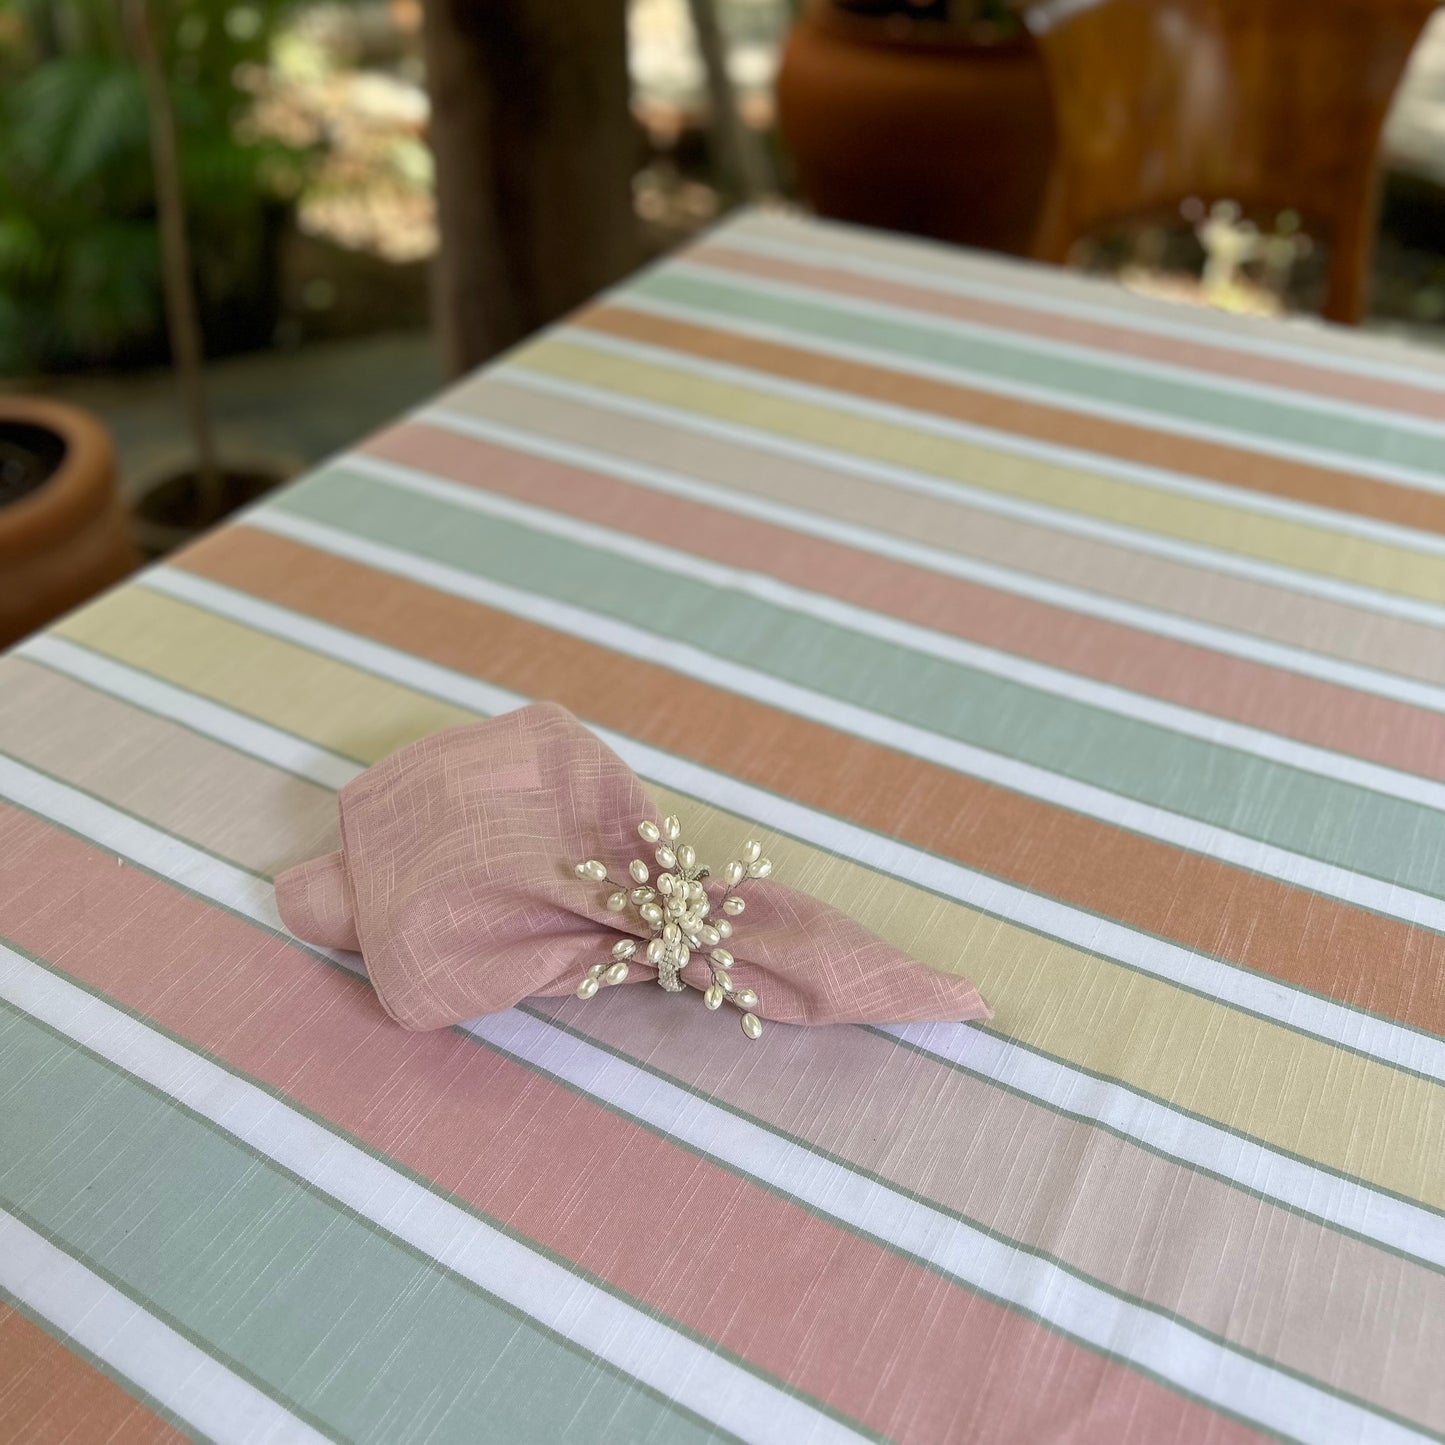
{"x": 665, "y": 882}
{"x": 671, "y": 828}
{"x": 710, "y": 935}
{"x": 686, "y": 857}
{"x": 666, "y": 858}
{"x": 624, "y": 948}
{"x": 651, "y": 913}
{"x": 616, "y": 902}
{"x": 733, "y": 873}
{"x": 733, "y": 905}
{"x": 682, "y": 955}
{"x": 745, "y": 998}
{"x": 638, "y": 869}
{"x": 642, "y": 895}
{"x": 617, "y": 973}
{"x": 587, "y": 988}
{"x": 725, "y": 927}
{"x": 760, "y": 869}
{"x": 592, "y": 869}
{"x": 752, "y": 1025}
{"x": 752, "y": 851}
{"x": 713, "y": 996}
{"x": 671, "y": 934}
{"x": 676, "y": 907}
{"x": 722, "y": 958}
{"x": 597, "y": 970}
{"x": 695, "y": 889}
{"x": 722, "y": 978}
{"x": 647, "y": 832}
{"x": 656, "y": 951}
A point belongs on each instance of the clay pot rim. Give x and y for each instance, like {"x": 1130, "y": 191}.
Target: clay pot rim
{"x": 898, "y": 32}
{"x": 79, "y": 487}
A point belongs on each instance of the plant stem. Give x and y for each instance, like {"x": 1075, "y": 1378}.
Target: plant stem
{"x": 182, "y": 319}
{"x": 740, "y": 157}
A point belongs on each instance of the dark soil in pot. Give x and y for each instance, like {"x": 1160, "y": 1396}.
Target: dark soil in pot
{"x": 29, "y": 455}
{"x": 175, "y": 510}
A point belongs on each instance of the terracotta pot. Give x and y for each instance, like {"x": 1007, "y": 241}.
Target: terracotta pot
{"x": 64, "y": 534}
{"x": 916, "y": 126}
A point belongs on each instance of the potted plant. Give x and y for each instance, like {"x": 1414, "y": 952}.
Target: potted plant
{"x": 63, "y": 531}
{"x": 929, "y": 116}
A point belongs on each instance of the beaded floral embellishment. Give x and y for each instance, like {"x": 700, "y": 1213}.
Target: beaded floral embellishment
{"x": 674, "y": 908}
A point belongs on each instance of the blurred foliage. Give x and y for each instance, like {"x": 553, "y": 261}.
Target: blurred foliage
{"x": 80, "y": 280}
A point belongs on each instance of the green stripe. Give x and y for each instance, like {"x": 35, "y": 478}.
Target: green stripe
{"x": 310, "y": 1301}
{"x": 1101, "y": 379}
{"x": 1322, "y": 818}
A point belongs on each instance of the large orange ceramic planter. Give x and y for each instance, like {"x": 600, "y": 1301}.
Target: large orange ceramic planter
{"x": 69, "y": 537}
{"x": 906, "y": 127}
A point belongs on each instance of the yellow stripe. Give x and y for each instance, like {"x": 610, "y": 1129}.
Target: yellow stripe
{"x": 1299, "y": 1094}
{"x": 1231, "y": 529}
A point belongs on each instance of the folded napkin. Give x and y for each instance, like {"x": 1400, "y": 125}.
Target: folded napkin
{"x": 455, "y": 881}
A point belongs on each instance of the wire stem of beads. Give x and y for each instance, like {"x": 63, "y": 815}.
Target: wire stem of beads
{"x": 674, "y": 907}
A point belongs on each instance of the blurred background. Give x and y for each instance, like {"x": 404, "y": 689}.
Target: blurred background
{"x": 221, "y": 234}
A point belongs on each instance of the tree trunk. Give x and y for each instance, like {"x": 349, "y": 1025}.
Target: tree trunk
{"x": 535, "y": 151}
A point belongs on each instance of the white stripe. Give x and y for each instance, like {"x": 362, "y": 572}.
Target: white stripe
{"x": 279, "y": 749}
{"x": 180, "y": 1376}
{"x": 991, "y": 574}
{"x": 1100, "y": 354}
{"x": 1296, "y": 579}
{"x": 1096, "y": 463}
{"x": 1301, "y": 340}
{"x": 625, "y": 1335}
{"x": 1345, "y": 1203}
{"x": 1296, "y": 869}
{"x": 1013, "y": 667}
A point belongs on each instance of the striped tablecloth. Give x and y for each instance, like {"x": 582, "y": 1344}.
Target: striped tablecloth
{"x": 1086, "y": 645}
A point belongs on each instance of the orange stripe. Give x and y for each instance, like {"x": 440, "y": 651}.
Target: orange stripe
{"x": 48, "y": 1394}
{"x": 1304, "y": 938}
{"x": 1233, "y": 466}
{"x": 1233, "y": 362}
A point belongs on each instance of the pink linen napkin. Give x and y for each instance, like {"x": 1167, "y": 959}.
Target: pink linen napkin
{"x": 455, "y": 881}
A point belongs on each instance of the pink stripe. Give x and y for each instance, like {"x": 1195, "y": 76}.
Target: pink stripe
{"x": 1237, "y": 364}
{"x": 880, "y": 1340}
{"x": 1319, "y": 713}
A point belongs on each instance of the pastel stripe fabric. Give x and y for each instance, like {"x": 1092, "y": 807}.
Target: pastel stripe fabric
{"x": 1088, "y": 647}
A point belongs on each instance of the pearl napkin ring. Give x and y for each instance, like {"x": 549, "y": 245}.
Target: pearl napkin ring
{"x": 673, "y": 907}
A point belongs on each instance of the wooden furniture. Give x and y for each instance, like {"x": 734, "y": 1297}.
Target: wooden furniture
{"x": 1273, "y": 103}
